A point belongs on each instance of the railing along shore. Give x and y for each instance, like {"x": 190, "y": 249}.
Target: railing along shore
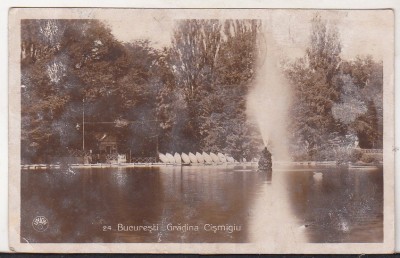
{"x": 159, "y": 164}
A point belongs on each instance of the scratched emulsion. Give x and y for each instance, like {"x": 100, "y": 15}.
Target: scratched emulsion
{"x": 318, "y": 205}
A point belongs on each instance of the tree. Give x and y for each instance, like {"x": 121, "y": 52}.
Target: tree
{"x": 351, "y": 104}
{"x": 316, "y": 83}
{"x": 367, "y": 128}
{"x": 189, "y": 97}
{"x": 42, "y": 94}
{"x": 213, "y": 63}
{"x": 195, "y": 47}
{"x": 63, "y": 63}
{"x": 333, "y": 99}
{"x": 368, "y": 77}
{"x": 171, "y": 107}
{"x": 229, "y": 128}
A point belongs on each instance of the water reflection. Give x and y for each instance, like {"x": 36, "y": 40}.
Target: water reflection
{"x": 244, "y": 205}
{"x": 266, "y": 176}
{"x": 338, "y": 205}
{"x": 272, "y": 221}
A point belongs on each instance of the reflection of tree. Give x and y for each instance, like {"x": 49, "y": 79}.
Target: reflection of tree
{"x": 92, "y": 199}
{"x": 199, "y": 196}
{"x": 335, "y": 207}
{"x": 78, "y": 206}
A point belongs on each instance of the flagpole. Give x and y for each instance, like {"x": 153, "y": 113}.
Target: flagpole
{"x": 83, "y": 124}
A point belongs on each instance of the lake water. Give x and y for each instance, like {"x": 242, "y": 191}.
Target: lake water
{"x": 203, "y": 204}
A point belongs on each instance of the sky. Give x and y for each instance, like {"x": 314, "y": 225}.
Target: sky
{"x": 362, "y": 32}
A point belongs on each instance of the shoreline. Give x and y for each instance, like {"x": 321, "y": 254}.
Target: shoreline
{"x": 159, "y": 164}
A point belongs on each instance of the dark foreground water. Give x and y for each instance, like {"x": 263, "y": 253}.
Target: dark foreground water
{"x": 203, "y": 204}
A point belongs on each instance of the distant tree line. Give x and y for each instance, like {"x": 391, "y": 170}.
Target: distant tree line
{"x": 190, "y": 96}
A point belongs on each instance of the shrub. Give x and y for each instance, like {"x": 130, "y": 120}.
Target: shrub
{"x": 355, "y": 155}
{"x": 371, "y": 158}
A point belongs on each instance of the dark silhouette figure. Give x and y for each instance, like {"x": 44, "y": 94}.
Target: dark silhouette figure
{"x": 265, "y": 162}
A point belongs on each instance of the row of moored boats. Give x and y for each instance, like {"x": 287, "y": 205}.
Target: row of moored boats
{"x": 198, "y": 158}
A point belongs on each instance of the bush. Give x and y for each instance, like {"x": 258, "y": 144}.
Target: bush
{"x": 355, "y": 155}
{"x": 301, "y": 157}
{"x": 325, "y": 154}
{"x": 371, "y": 158}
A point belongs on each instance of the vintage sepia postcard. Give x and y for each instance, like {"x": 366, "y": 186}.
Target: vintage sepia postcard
{"x": 201, "y": 130}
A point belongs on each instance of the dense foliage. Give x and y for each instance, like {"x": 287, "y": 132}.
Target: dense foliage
{"x": 336, "y": 103}
{"x": 190, "y": 96}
